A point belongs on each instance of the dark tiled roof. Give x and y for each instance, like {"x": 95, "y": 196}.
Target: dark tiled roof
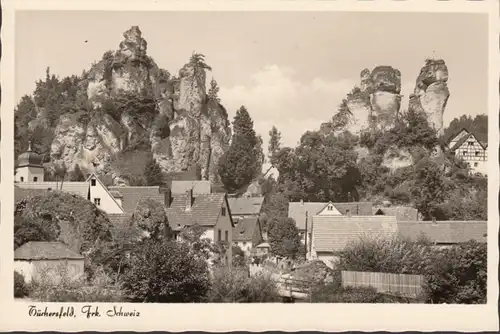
{"x": 21, "y": 193}
{"x": 204, "y": 211}
{"x": 245, "y": 205}
{"x": 297, "y": 210}
{"x": 245, "y": 229}
{"x": 119, "y": 218}
{"x": 132, "y": 195}
{"x": 199, "y": 187}
{"x": 446, "y": 232}
{"x": 402, "y": 213}
{"x": 333, "y": 233}
{"x": 43, "y": 250}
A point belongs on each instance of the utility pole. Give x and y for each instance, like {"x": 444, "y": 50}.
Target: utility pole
{"x": 305, "y": 256}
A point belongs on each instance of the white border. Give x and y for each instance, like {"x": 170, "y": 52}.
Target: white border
{"x": 253, "y": 317}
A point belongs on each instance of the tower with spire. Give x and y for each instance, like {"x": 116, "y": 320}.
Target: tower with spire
{"x": 29, "y": 167}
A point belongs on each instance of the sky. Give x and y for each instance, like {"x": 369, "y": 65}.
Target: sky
{"x": 290, "y": 69}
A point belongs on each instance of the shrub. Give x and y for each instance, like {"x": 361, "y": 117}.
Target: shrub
{"x": 235, "y": 286}
{"x": 20, "y": 288}
{"x": 67, "y": 289}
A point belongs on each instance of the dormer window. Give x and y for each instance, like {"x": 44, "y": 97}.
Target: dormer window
{"x": 330, "y": 207}
{"x": 92, "y": 182}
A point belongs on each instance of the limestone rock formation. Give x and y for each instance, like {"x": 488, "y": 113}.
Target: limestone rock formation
{"x": 374, "y": 104}
{"x": 431, "y": 92}
{"x": 135, "y": 105}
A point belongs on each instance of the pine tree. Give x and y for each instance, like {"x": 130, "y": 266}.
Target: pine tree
{"x": 213, "y": 91}
{"x": 274, "y": 143}
{"x": 153, "y": 173}
{"x": 242, "y": 163}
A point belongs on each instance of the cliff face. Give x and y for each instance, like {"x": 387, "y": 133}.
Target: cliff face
{"x": 431, "y": 92}
{"x": 134, "y": 104}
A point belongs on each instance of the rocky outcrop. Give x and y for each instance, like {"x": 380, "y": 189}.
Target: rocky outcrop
{"x": 431, "y": 92}
{"x": 134, "y": 104}
{"x": 375, "y": 103}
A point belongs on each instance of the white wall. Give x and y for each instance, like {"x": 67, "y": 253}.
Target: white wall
{"x": 224, "y": 224}
{"x": 49, "y": 268}
{"x": 246, "y": 246}
{"x": 108, "y": 204}
{"x": 28, "y": 174}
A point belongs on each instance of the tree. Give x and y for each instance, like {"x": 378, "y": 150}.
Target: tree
{"x": 237, "y": 166}
{"x": 427, "y": 190}
{"x": 274, "y": 143}
{"x": 166, "y": 272}
{"x": 275, "y": 206}
{"x": 284, "y": 237}
{"x": 151, "y": 218}
{"x": 202, "y": 247}
{"x": 77, "y": 175}
{"x": 153, "y": 173}
{"x": 38, "y": 228}
{"x": 198, "y": 60}
{"x": 477, "y": 125}
{"x": 213, "y": 92}
{"x": 238, "y": 256}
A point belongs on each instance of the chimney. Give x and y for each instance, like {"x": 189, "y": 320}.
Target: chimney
{"x": 189, "y": 199}
{"x": 301, "y": 202}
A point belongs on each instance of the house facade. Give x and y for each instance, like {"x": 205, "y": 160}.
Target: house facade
{"x": 332, "y": 233}
{"x": 210, "y": 211}
{"x": 29, "y": 167}
{"x": 303, "y": 212}
{"x": 247, "y": 234}
{"x": 37, "y": 260}
{"x": 465, "y": 146}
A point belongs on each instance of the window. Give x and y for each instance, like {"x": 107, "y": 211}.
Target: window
{"x": 226, "y": 235}
{"x": 22, "y": 179}
{"x": 223, "y": 212}
{"x": 219, "y": 235}
{"x": 330, "y": 207}
{"x": 464, "y": 152}
{"x": 35, "y": 179}
{"x": 92, "y": 182}
{"x": 475, "y": 164}
{"x": 471, "y": 143}
{"x": 476, "y": 153}
{"x": 97, "y": 201}
{"x": 347, "y": 212}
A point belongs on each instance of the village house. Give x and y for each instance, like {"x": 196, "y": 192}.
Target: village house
{"x": 466, "y": 147}
{"x": 444, "y": 234}
{"x": 402, "y": 213}
{"x": 210, "y": 211}
{"x": 247, "y": 234}
{"x": 302, "y": 212}
{"x": 37, "y": 260}
{"x": 332, "y": 233}
{"x": 245, "y": 207}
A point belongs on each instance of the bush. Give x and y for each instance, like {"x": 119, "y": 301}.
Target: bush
{"x": 20, "y": 288}
{"x": 66, "y": 289}
{"x": 235, "y": 286}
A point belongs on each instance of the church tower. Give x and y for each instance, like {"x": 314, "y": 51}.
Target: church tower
{"x": 29, "y": 167}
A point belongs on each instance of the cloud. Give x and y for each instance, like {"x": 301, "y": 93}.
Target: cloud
{"x": 276, "y": 96}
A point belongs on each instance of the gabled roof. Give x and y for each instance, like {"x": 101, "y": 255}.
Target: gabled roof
{"x": 199, "y": 187}
{"x": 333, "y": 233}
{"x": 464, "y": 139}
{"x": 132, "y": 195}
{"x": 245, "y": 205}
{"x": 297, "y": 210}
{"x": 245, "y": 229}
{"x": 445, "y": 232}
{"x": 456, "y": 134}
{"x": 402, "y": 213}
{"x": 204, "y": 211}
{"x": 21, "y": 193}
{"x": 44, "y": 250}
{"x": 105, "y": 189}
{"x": 76, "y": 188}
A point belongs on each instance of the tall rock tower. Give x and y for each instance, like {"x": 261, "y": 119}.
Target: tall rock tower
{"x": 431, "y": 92}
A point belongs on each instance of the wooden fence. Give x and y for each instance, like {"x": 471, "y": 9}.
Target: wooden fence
{"x": 406, "y": 285}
